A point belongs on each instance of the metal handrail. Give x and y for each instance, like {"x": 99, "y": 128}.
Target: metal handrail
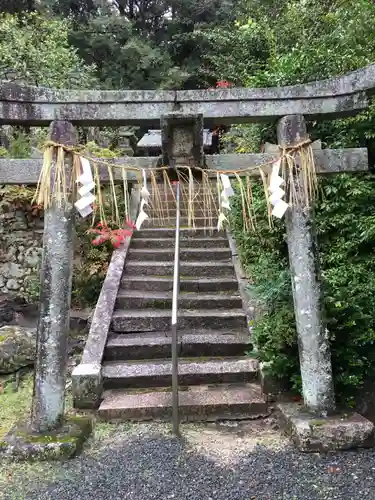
{"x": 175, "y": 297}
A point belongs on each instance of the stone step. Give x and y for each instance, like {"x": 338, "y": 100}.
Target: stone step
{"x": 204, "y": 242}
{"x": 200, "y": 199}
{"x": 140, "y": 299}
{"x": 198, "y": 189}
{"x": 157, "y": 345}
{"x": 158, "y": 284}
{"x": 153, "y": 320}
{"x": 196, "y": 403}
{"x": 199, "y": 232}
{"x": 169, "y": 211}
{"x": 186, "y": 254}
{"x": 202, "y": 222}
{"x": 187, "y": 269}
{"x": 199, "y": 202}
{"x": 199, "y": 193}
{"x": 158, "y": 373}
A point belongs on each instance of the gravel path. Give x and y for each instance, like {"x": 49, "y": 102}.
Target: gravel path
{"x": 144, "y": 462}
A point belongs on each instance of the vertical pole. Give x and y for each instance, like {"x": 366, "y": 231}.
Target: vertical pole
{"x": 313, "y": 343}
{"x": 176, "y": 291}
{"x": 53, "y": 325}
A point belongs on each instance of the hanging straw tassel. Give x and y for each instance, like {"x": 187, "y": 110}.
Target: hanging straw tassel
{"x": 52, "y": 186}
{"x": 301, "y": 180}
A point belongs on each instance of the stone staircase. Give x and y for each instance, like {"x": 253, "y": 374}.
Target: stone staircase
{"x": 217, "y": 380}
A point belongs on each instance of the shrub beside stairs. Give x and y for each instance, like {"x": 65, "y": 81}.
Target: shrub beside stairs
{"x": 217, "y": 380}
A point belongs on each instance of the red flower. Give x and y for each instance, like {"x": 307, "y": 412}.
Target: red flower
{"x": 223, "y": 84}
{"x": 104, "y": 233}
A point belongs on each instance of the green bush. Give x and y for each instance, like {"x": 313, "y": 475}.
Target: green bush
{"x": 345, "y": 220}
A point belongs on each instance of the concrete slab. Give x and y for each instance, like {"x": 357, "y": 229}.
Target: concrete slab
{"x": 186, "y": 254}
{"x": 157, "y": 345}
{"x": 151, "y": 320}
{"x": 160, "y": 283}
{"x": 158, "y": 373}
{"x": 198, "y": 242}
{"x": 187, "y": 269}
{"x": 203, "y": 403}
{"x": 185, "y": 233}
{"x": 134, "y": 299}
{"x": 311, "y": 433}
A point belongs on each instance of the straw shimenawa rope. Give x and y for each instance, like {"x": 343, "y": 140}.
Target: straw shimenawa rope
{"x": 62, "y": 169}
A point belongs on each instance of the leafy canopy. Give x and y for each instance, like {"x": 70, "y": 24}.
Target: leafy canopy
{"x": 37, "y": 50}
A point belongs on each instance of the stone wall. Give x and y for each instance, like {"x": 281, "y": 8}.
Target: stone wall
{"x": 20, "y": 251}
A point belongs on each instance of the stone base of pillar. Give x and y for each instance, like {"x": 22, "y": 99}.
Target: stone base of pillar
{"x": 20, "y": 443}
{"x": 343, "y": 431}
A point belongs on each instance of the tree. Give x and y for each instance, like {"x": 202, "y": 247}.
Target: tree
{"x": 122, "y": 57}
{"x": 145, "y": 43}
{"x": 16, "y": 6}
{"x": 38, "y": 51}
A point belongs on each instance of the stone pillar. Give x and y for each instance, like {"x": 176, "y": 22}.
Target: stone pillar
{"x": 6, "y": 133}
{"x": 53, "y": 326}
{"x": 314, "y": 350}
{"x": 182, "y": 139}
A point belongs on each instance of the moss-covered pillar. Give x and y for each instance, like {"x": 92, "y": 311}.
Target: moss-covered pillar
{"x": 56, "y": 283}
{"x": 313, "y": 343}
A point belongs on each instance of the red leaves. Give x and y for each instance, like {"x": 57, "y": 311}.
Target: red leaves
{"x": 113, "y": 236}
{"x": 223, "y": 84}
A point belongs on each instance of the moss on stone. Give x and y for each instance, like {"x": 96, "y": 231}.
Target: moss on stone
{"x": 17, "y": 348}
{"x": 317, "y": 423}
{"x": 65, "y": 442}
{"x": 14, "y": 406}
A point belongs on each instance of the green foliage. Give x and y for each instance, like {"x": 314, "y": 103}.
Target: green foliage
{"x": 122, "y": 58}
{"x": 265, "y": 258}
{"x": 90, "y": 269}
{"x": 345, "y": 219}
{"x": 314, "y": 40}
{"x": 99, "y": 152}
{"x": 32, "y": 288}
{"x": 37, "y": 50}
{"x": 218, "y": 44}
{"x": 20, "y": 146}
{"x": 346, "y": 231}
{"x": 307, "y": 41}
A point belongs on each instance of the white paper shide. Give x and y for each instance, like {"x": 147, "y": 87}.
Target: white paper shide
{"x": 145, "y": 196}
{"x": 277, "y": 193}
{"x": 226, "y": 193}
{"x": 87, "y": 198}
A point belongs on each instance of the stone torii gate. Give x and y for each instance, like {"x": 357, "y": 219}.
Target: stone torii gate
{"x": 181, "y": 116}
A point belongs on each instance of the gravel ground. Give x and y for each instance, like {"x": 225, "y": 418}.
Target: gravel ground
{"x": 250, "y": 461}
